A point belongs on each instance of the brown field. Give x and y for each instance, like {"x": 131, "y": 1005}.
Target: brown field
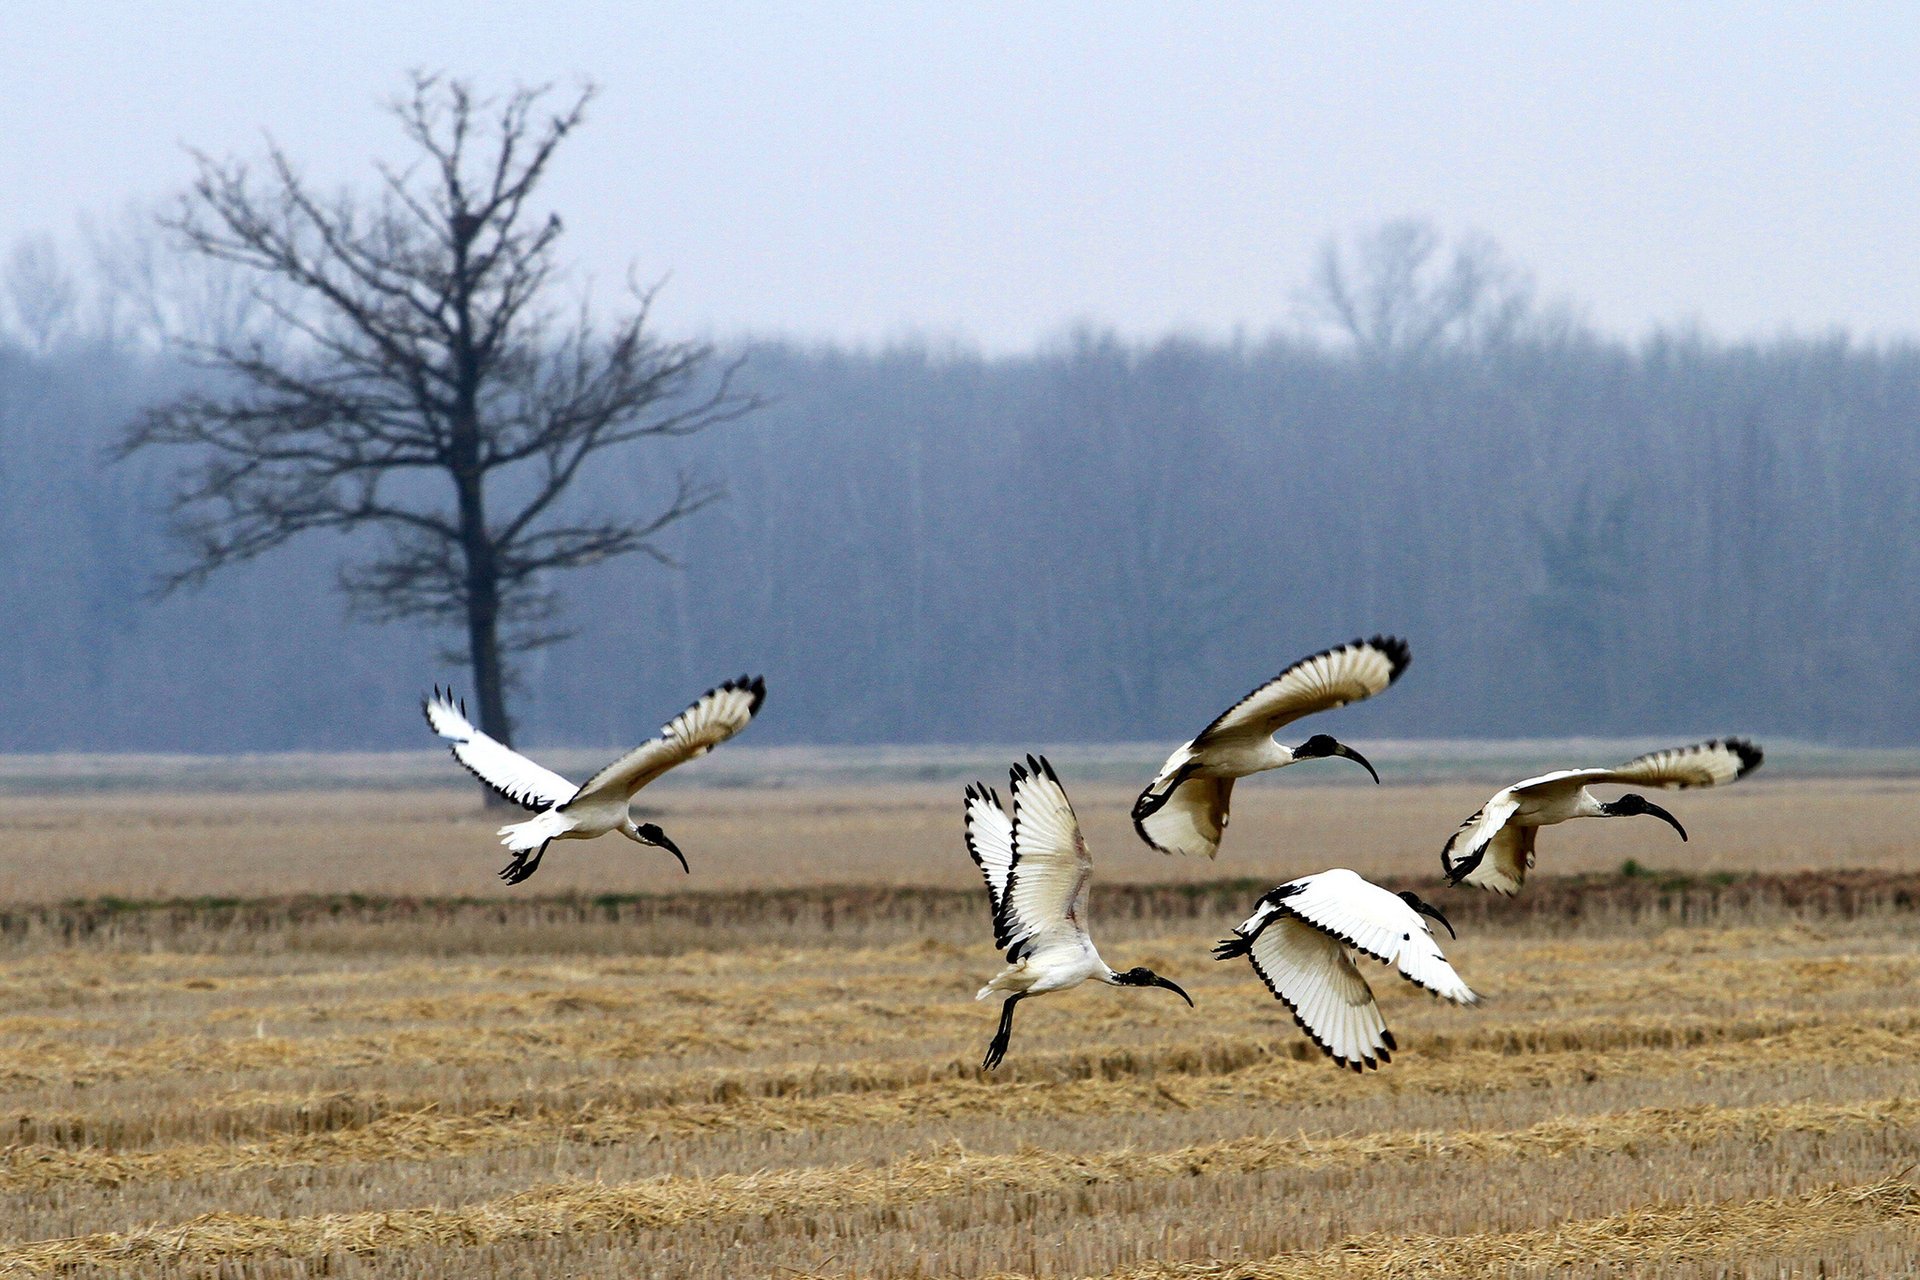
{"x": 1697, "y": 1072}
{"x": 439, "y": 842}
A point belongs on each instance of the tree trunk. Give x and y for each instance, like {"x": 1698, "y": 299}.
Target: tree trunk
{"x": 483, "y": 632}
{"x": 476, "y": 540}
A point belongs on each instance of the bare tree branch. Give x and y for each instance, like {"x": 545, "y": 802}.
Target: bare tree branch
{"x": 1398, "y": 294}
{"x": 417, "y": 342}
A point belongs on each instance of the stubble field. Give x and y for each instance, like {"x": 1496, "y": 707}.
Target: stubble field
{"x": 1695, "y": 1072}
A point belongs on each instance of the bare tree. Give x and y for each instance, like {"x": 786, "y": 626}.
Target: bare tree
{"x": 149, "y": 296}
{"x": 1399, "y": 293}
{"x": 40, "y": 293}
{"x": 424, "y": 382}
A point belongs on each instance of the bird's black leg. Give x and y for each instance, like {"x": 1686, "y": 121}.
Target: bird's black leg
{"x": 998, "y": 1049}
{"x": 522, "y": 866}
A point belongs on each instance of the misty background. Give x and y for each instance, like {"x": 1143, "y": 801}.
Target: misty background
{"x": 1102, "y": 540}
{"x": 1057, "y": 448}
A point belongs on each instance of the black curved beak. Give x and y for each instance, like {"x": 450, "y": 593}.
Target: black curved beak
{"x": 1426, "y": 908}
{"x": 1174, "y": 987}
{"x": 1344, "y": 750}
{"x": 653, "y": 835}
{"x": 1669, "y": 819}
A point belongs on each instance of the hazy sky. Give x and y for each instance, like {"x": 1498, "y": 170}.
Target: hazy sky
{"x": 997, "y": 171}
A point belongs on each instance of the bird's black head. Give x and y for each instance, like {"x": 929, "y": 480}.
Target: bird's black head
{"x": 1321, "y": 745}
{"x": 1141, "y": 976}
{"x": 1633, "y": 805}
{"x": 650, "y": 833}
{"x": 1426, "y": 908}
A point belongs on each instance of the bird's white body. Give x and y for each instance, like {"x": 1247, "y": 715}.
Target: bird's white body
{"x": 1185, "y": 808}
{"x": 1231, "y": 757}
{"x": 1037, "y": 869}
{"x": 1058, "y": 964}
{"x": 1552, "y": 798}
{"x": 1494, "y": 849}
{"x": 581, "y": 822}
{"x": 1299, "y": 940}
{"x": 563, "y": 811}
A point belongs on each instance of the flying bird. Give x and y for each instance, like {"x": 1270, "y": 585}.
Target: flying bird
{"x": 566, "y": 812}
{"x": 1037, "y": 869}
{"x": 1494, "y": 848}
{"x": 1299, "y": 938}
{"x": 1184, "y": 808}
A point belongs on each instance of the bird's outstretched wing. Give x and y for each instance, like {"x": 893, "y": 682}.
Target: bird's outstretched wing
{"x": 1704, "y": 764}
{"x": 1051, "y": 867}
{"x": 1312, "y": 975}
{"x": 1328, "y": 679}
{"x": 519, "y": 779}
{"x": 990, "y": 840}
{"x": 715, "y": 716}
{"x": 1378, "y": 923}
{"x": 1191, "y": 820}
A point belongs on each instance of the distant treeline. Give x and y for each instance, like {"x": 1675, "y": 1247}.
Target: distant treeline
{"x": 1100, "y": 541}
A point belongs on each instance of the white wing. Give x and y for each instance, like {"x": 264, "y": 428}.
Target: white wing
{"x": 1481, "y": 852}
{"x": 1500, "y": 864}
{"x": 1704, "y": 764}
{"x": 990, "y": 840}
{"x": 1191, "y": 820}
{"x": 1376, "y": 922}
{"x": 519, "y": 779}
{"x": 1331, "y": 678}
{"x": 1047, "y": 885}
{"x": 715, "y": 716}
{"x": 1312, "y": 975}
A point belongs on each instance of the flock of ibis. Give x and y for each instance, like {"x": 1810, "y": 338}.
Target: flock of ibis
{"x": 1302, "y": 937}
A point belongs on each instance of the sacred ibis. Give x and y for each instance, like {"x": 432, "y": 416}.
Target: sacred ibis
{"x": 1037, "y": 869}
{"x": 566, "y": 812}
{"x": 1184, "y": 808}
{"x": 1299, "y": 938}
{"x": 1494, "y": 848}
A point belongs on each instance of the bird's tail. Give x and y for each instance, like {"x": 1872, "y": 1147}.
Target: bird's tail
{"x": 534, "y": 832}
{"x": 1009, "y": 980}
{"x": 1229, "y": 948}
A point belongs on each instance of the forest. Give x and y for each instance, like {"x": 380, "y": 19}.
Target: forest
{"x": 1102, "y": 539}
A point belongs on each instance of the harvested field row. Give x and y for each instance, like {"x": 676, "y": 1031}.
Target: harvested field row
{"x": 1521, "y": 1052}
{"x": 232, "y": 924}
{"x": 670, "y": 1201}
{"x": 820, "y": 1013}
{"x": 1634, "y": 1241}
{"x": 372, "y": 1129}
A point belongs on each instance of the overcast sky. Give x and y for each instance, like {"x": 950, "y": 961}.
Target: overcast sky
{"x": 994, "y": 172}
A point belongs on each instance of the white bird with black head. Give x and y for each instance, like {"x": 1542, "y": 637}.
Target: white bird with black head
{"x": 1299, "y": 939}
{"x": 563, "y": 811}
{"x": 1494, "y": 848}
{"x": 1184, "y": 808}
{"x": 1037, "y": 869}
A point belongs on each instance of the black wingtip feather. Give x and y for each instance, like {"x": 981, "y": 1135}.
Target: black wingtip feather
{"x": 1751, "y": 756}
{"x": 1397, "y": 653}
{"x": 1232, "y": 948}
{"x": 755, "y": 685}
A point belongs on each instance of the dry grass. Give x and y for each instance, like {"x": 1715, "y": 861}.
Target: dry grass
{"x": 163, "y": 845}
{"x": 1708, "y": 1078}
